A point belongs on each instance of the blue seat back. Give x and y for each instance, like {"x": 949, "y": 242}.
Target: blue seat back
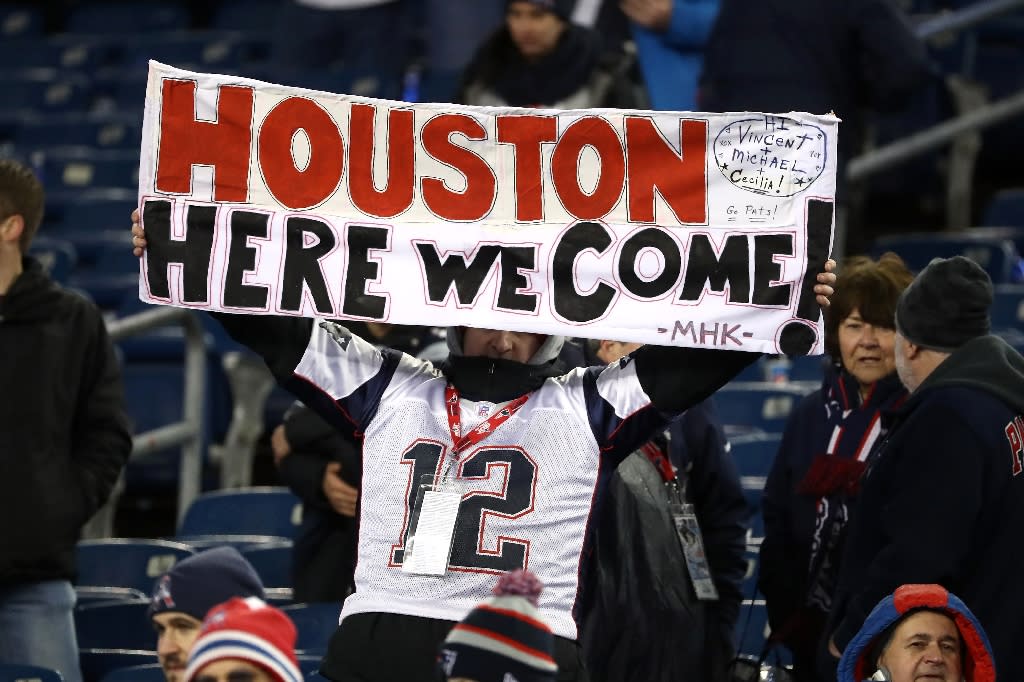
{"x": 127, "y": 18}
{"x": 57, "y": 256}
{"x": 119, "y": 562}
{"x": 115, "y": 625}
{"x": 1005, "y": 209}
{"x": 12, "y": 672}
{"x": 250, "y": 511}
{"x": 315, "y": 623}
{"x": 20, "y": 20}
{"x": 136, "y": 673}
{"x": 758, "y": 406}
{"x": 97, "y": 663}
{"x": 1008, "y": 307}
{"x": 46, "y": 90}
{"x": 998, "y": 255}
{"x": 86, "y": 595}
{"x": 752, "y": 627}
{"x": 272, "y": 561}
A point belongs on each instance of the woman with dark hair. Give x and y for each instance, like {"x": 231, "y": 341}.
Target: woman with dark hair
{"x": 539, "y": 58}
{"x": 812, "y": 488}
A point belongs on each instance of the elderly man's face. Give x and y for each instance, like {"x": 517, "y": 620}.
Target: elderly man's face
{"x": 925, "y": 646}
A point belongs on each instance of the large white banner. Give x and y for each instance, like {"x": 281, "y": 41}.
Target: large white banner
{"x": 671, "y": 228}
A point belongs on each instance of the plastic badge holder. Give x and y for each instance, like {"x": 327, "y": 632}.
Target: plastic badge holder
{"x": 432, "y": 527}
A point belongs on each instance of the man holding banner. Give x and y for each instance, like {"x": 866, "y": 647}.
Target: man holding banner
{"x": 505, "y": 219}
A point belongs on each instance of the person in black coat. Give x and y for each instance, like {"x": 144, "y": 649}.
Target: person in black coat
{"x": 539, "y": 58}
{"x": 641, "y": 589}
{"x": 64, "y": 435}
{"x": 944, "y": 492}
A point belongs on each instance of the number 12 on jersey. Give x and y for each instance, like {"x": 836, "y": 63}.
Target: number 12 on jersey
{"x": 497, "y": 481}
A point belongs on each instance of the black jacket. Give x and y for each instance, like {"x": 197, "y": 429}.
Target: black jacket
{"x": 323, "y": 560}
{"x": 577, "y": 74}
{"x": 641, "y": 599}
{"x": 63, "y": 432}
{"x": 943, "y": 500}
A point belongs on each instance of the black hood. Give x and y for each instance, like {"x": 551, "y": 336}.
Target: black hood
{"x": 497, "y": 380}
{"x": 31, "y": 295}
{"x": 987, "y": 363}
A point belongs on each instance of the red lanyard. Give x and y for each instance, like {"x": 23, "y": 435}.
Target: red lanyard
{"x": 660, "y": 460}
{"x": 463, "y": 442}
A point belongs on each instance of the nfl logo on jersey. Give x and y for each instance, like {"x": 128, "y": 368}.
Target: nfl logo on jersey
{"x": 483, "y": 409}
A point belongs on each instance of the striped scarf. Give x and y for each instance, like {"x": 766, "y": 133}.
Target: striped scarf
{"x": 855, "y": 426}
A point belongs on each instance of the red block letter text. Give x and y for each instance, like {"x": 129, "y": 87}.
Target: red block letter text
{"x": 223, "y": 144}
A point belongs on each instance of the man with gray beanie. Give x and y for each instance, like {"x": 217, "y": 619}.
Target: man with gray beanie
{"x": 182, "y": 596}
{"x": 944, "y": 491}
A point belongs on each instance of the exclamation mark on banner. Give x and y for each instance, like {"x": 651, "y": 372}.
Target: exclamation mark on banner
{"x": 798, "y": 338}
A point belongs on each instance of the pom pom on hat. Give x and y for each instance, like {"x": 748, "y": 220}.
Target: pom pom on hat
{"x": 504, "y": 637}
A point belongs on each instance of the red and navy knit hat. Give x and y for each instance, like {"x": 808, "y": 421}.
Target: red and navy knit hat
{"x": 503, "y": 638}
{"x": 858, "y": 661}
{"x": 247, "y": 630}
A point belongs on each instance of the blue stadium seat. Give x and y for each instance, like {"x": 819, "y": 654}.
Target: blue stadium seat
{"x": 57, "y": 256}
{"x": 72, "y": 169}
{"x": 219, "y": 51}
{"x": 309, "y": 664}
{"x": 1008, "y": 307}
{"x": 248, "y": 511}
{"x": 114, "y": 277}
{"x": 315, "y": 622}
{"x": 808, "y": 368}
{"x": 84, "y": 55}
{"x": 46, "y": 90}
{"x": 20, "y": 20}
{"x": 106, "y": 131}
{"x": 115, "y": 625}
{"x": 91, "y": 209}
{"x": 754, "y": 454}
{"x": 12, "y": 672}
{"x": 127, "y": 18}
{"x": 752, "y": 627}
{"x": 97, "y": 663}
{"x": 758, "y": 405}
{"x": 278, "y": 596}
{"x": 136, "y": 673}
{"x": 127, "y": 562}
{"x": 248, "y": 16}
{"x": 272, "y": 561}
{"x": 1006, "y": 208}
{"x": 997, "y": 255}
{"x": 241, "y": 542}
{"x": 86, "y": 595}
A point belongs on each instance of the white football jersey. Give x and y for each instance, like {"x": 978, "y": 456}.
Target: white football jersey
{"x": 529, "y": 489}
